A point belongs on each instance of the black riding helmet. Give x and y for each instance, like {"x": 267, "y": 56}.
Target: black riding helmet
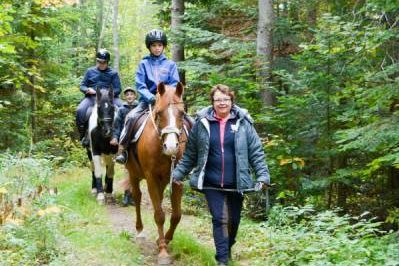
{"x": 103, "y": 55}
{"x": 155, "y": 36}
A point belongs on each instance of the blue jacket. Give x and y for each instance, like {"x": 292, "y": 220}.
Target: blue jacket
{"x": 249, "y": 155}
{"x": 119, "y": 121}
{"x": 101, "y": 78}
{"x": 151, "y": 71}
{"x": 220, "y": 170}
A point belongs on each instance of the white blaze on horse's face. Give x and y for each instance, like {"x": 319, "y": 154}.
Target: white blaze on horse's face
{"x": 171, "y": 141}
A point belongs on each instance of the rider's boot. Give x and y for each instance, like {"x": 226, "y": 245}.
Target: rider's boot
{"x": 122, "y": 155}
{"x": 84, "y": 140}
{"x": 127, "y": 198}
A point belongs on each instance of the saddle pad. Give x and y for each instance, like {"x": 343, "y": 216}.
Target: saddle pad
{"x": 140, "y": 121}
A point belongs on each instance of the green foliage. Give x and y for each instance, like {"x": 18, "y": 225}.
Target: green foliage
{"x": 28, "y": 232}
{"x": 336, "y": 112}
{"x": 302, "y": 236}
{"x": 190, "y": 252}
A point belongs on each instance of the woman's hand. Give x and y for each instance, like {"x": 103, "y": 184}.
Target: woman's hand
{"x": 260, "y": 186}
{"x": 177, "y": 182}
{"x": 113, "y": 142}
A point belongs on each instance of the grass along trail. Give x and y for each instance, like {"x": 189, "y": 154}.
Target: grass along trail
{"x": 105, "y": 235}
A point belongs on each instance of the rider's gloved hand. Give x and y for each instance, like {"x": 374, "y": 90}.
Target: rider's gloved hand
{"x": 260, "y": 186}
{"x": 90, "y": 91}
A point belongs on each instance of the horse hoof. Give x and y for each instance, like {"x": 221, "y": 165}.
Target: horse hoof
{"x": 164, "y": 260}
{"x": 109, "y": 198}
{"x": 94, "y": 191}
{"x": 100, "y": 198}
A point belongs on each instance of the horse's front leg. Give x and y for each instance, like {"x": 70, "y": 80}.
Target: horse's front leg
{"x": 177, "y": 192}
{"x": 98, "y": 173}
{"x": 93, "y": 177}
{"x": 109, "y": 178}
{"x": 156, "y": 194}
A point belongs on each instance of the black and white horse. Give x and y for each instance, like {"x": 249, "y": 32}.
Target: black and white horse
{"x": 101, "y": 151}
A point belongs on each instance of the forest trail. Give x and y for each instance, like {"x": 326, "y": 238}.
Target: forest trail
{"x": 123, "y": 221}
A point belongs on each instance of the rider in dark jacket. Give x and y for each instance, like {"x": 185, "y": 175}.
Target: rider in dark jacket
{"x": 130, "y": 96}
{"x": 101, "y": 76}
{"x": 152, "y": 70}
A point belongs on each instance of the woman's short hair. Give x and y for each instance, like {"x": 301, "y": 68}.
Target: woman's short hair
{"x": 223, "y": 89}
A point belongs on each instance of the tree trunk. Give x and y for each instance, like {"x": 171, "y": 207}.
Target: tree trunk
{"x": 264, "y": 50}
{"x": 115, "y": 34}
{"x": 100, "y": 24}
{"x": 33, "y": 107}
{"x": 311, "y": 10}
{"x": 177, "y": 21}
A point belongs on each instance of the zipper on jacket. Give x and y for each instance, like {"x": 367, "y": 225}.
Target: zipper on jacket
{"x": 221, "y": 144}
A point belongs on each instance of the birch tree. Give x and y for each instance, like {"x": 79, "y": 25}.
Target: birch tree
{"x": 115, "y": 34}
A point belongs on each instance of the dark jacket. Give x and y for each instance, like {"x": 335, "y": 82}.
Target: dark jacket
{"x": 102, "y": 79}
{"x": 220, "y": 169}
{"x": 119, "y": 121}
{"x": 249, "y": 155}
{"x": 151, "y": 71}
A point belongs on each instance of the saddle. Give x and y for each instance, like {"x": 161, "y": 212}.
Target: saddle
{"x": 138, "y": 125}
{"x": 88, "y": 113}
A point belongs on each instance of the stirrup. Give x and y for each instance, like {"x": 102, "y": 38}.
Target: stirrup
{"x": 121, "y": 158}
{"x": 85, "y": 142}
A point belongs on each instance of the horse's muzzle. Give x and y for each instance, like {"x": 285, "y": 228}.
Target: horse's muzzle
{"x": 170, "y": 145}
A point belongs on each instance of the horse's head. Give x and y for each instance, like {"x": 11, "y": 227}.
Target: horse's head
{"x": 169, "y": 115}
{"x": 105, "y": 110}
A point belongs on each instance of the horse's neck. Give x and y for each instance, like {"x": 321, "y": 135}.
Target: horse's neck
{"x": 93, "y": 118}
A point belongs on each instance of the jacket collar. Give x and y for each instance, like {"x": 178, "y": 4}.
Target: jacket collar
{"x": 155, "y": 58}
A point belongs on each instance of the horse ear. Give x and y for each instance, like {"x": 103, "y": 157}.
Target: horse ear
{"x": 161, "y": 88}
{"x": 98, "y": 94}
{"x": 179, "y": 89}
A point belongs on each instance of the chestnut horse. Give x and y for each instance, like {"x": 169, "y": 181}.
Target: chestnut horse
{"x": 162, "y": 141}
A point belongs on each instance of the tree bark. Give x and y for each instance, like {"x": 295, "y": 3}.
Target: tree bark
{"x": 177, "y": 21}
{"x": 264, "y": 49}
{"x": 100, "y": 24}
{"x": 115, "y": 33}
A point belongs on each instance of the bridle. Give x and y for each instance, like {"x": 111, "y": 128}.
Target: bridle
{"x": 108, "y": 119}
{"x": 169, "y": 128}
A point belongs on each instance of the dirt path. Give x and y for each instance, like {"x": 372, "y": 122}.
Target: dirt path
{"x": 123, "y": 221}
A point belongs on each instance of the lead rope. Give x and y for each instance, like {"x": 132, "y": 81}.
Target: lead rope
{"x": 172, "y": 166}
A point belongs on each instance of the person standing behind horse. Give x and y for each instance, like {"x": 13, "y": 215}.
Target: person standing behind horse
{"x": 223, "y": 146}
{"x": 130, "y": 96}
{"x": 152, "y": 70}
{"x": 101, "y": 76}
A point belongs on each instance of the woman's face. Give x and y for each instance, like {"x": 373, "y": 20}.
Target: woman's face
{"x": 156, "y": 48}
{"x": 221, "y": 104}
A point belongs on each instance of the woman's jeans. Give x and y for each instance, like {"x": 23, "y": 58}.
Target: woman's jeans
{"x": 225, "y": 208}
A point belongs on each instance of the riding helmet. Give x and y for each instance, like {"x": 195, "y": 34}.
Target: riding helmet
{"x": 103, "y": 55}
{"x": 155, "y": 36}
